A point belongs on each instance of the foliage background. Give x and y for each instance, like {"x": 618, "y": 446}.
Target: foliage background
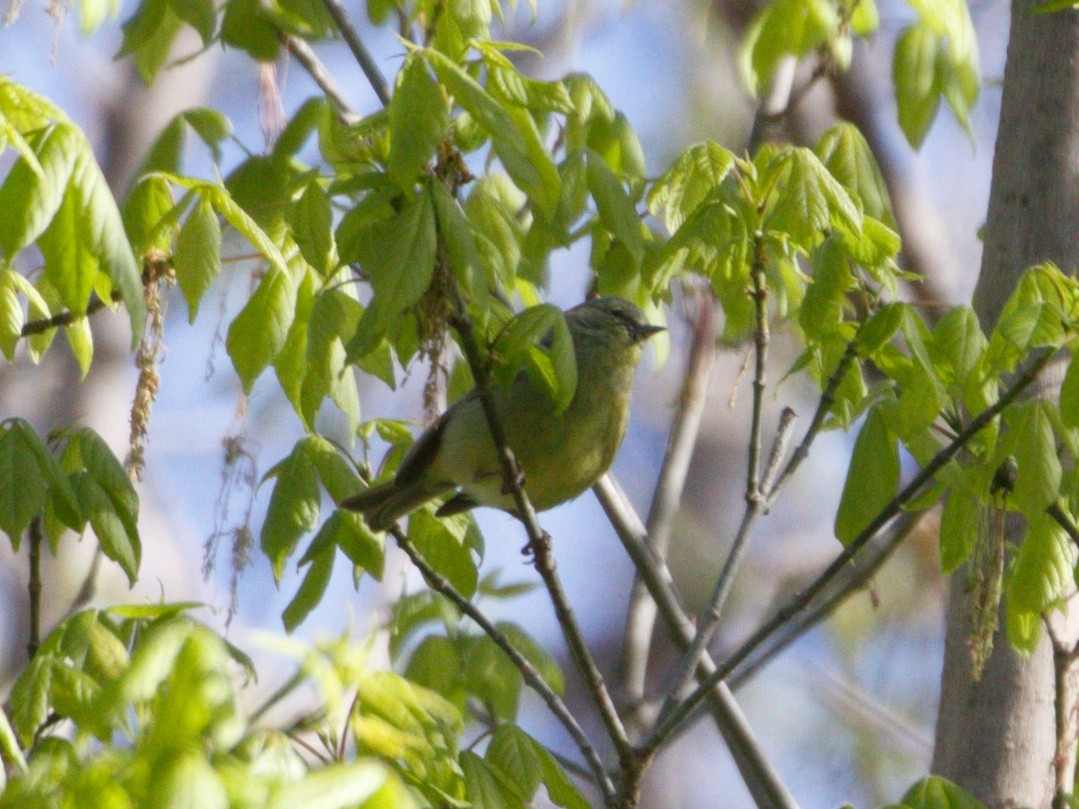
{"x": 861, "y": 690}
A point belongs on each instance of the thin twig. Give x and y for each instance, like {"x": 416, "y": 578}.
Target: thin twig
{"x": 35, "y": 537}
{"x": 824, "y": 406}
{"x": 531, "y": 676}
{"x": 65, "y": 318}
{"x": 763, "y": 782}
{"x": 641, "y": 612}
{"x": 863, "y": 568}
{"x": 708, "y": 621}
{"x": 1064, "y": 521}
{"x": 321, "y": 76}
{"x": 664, "y": 729}
{"x": 363, "y": 57}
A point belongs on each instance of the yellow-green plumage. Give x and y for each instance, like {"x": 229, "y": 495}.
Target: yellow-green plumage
{"x": 561, "y": 454}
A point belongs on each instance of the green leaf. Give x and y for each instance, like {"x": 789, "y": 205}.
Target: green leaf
{"x": 245, "y": 27}
{"x": 311, "y": 220}
{"x": 1069, "y": 395}
{"x": 199, "y": 14}
{"x": 784, "y": 27}
{"x": 290, "y": 364}
{"x": 30, "y": 698}
{"x": 61, "y": 492}
{"x": 186, "y": 780}
{"x": 1040, "y": 577}
{"x": 333, "y": 321}
{"x": 419, "y": 122}
{"x": 513, "y": 752}
{"x": 335, "y": 786}
{"x": 33, "y": 191}
{"x": 294, "y": 506}
{"x": 348, "y": 531}
{"x": 460, "y": 243}
{"x": 555, "y": 372}
{"x": 934, "y": 792}
{"x": 693, "y": 176}
{"x": 148, "y": 37}
{"x": 107, "y": 470}
{"x": 116, "y": 542}
{"x": 917, "y": 81}
{"x": 11, "y": 315}
{"x": 822, "y": 307}
{"x": 872, "y": 479}
{"x": 399, "y": 257}
{"x": 147, "y": 204}
{"x": 514, "y": 136}
{"x": 258, "y": 333}
{"x": 616, "y": 209}
{"x": 22, "y": 484}
{"x": 443, "y": 551}
{"x": 311, "y": 591}
{"x": 1037, "y": 479}
{"x": 487, "y": 787}
{"x": 535, "y": 654}
{"x": 810, "y": 199}
{"x": 845, "y": 153}
{"x": 197, "y": 257}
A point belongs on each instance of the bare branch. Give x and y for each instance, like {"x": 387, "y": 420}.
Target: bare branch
{"x": 641, "y": 612}
{"x": 531, "y": 676}
{"x": 321, "y": 76}
{"x": 761, "y": 779}
{"x": 359, "y": 50}
{"x": 676, "y": 716}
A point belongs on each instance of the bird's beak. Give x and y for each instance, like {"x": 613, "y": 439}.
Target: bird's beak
{"x": 642, "y": 333}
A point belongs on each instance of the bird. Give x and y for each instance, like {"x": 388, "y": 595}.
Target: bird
{"x": 561, "y": 454}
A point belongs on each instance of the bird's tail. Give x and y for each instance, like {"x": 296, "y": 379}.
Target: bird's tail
{"x": 386, "y": 503}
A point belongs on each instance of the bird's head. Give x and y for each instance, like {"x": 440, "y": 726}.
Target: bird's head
{"x": 615, "y": 320}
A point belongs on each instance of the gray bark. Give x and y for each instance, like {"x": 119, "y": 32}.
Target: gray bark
{"x": 997, "y": 738}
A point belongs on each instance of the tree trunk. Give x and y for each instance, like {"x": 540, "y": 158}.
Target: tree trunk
{"x": 997, "y": 737}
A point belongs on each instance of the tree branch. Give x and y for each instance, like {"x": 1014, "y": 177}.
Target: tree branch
{"x": 641, "y": 612}
{"x": 664, "y": 729}
{"x": 321, "y": 76}
{"x": 761, "y": 779}
{"x": 363, "y": 57}
{"x": 538, "y": 539}
{"x": 531, "y": 676}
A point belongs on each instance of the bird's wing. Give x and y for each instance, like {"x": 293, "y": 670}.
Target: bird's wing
{"x": 419, "y": 458}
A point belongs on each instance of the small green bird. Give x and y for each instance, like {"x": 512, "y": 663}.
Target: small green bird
{"x": 561, "y": 454}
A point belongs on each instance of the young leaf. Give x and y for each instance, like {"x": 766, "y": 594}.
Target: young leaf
{"x": 419, "y": 121}
{"x": 958, "y": 529}
{"x": 258, "y": 333}
{"x": 872, "y": 479}
{"x": 844, "y": 152}
{"x": 32, "y": 191}
{"x": 616, "y": 209}
{"x": 917, "y": 82}
{"x": 311, "y": 589}
{"x": 1039, "y": 579}
{"x": 311, "y": 220}
{"x": 22, "y": 485}
{"x": 294, "y": 507}
{"x": 693, "y": 176}
{"x": 399, "y": 257}
{"x": 487, "y": 787}
{"x": 934, "y": 792}
{"x": 197, "y": 257}
{"x": 513, "y": 752}
{"x": 111, "y": 530}
{"x": 1038, "y": 474}
{"x": 443, "y": 551}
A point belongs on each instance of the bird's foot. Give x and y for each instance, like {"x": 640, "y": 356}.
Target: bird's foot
{"x": 536, "y": 547}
